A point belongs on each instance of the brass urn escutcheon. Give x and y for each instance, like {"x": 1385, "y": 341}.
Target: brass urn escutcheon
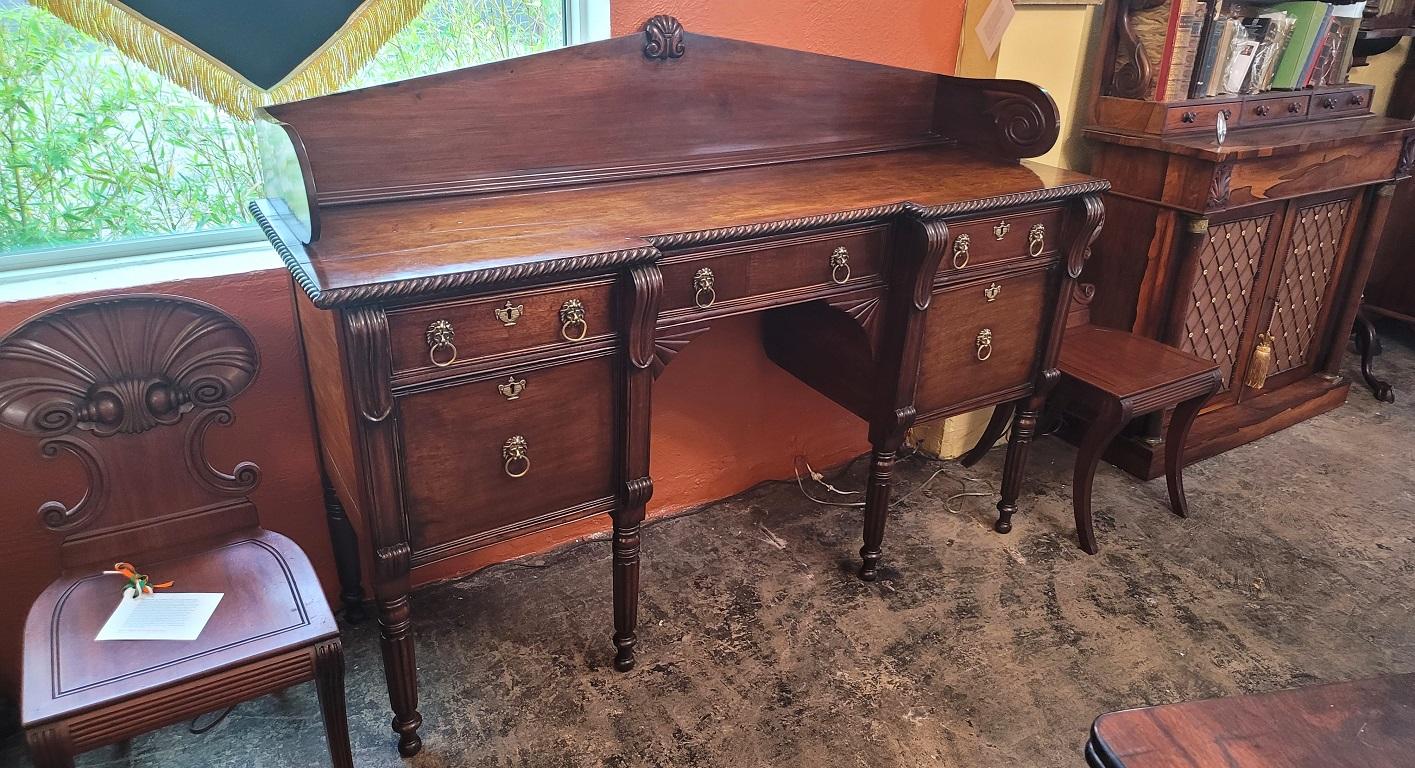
{"x": 992, "y": 291}
{"x": 513, "y": 388}
{"x": 1000, "y": 229}
{"x": 509, "y": 314}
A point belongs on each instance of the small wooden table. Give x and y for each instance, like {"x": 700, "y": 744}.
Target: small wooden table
{"x": 1365, "y": 724}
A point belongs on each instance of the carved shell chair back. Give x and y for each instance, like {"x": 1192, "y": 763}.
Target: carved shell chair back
{"x": 127, "y": 390}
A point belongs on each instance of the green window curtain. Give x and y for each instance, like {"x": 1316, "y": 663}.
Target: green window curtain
{"x": 243, "y": 55}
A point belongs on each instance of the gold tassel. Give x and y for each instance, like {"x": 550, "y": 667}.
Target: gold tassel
{"x": 1257, "y": 374}
{"x": 160, "y": 49}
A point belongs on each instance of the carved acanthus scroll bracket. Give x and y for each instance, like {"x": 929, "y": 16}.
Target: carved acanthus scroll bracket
{"x": 663, "y": 38}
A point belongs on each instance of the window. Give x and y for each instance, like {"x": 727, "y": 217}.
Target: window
{"x": 97, "y": 148}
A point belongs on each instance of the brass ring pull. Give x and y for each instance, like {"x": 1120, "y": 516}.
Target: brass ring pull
{"x": 703, "y": 287}
{"x": 984, "y": 342}
{"x": 1036, "y": 239}
{"x": 572, "y": 314}
{"x": 518, "y": 463}
{"x": 960, "y": 251}
{"x": 439, "y": 339}
{"x": 840, "y": 260}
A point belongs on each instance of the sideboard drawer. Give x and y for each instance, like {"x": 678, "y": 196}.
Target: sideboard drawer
{"x": 553, "y": 427}
{"x": 452, "y": 333}
{"x": 743, "y": 271}
{"x": 980, "y": 339}
{"x": 1028, "y": 234}
{"x": 1196, "y": 117}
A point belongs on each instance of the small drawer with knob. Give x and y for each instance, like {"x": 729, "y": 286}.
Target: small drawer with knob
{"x": 737, "y": 274}
{"x": 499, "y": 449}
{"x": 1342, "y": 101}
{"x": 982, "y": 338}
{"x": 1275, "y": 110}
{"x": 1187, "y": 118}
{"x": 448, "y": 334}
{"x": 1001, "y": 237}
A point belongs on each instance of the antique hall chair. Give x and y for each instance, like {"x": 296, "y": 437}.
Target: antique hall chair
{"x": 127, "y": 389}
{"x": 1110, "y": 377}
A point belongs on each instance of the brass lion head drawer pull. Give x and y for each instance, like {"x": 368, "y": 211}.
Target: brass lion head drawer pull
{"x": 441, "y": 352}
{"x": 513, "y": 388}
{"x": 984, "y": 342}
{"x": 960, "y": 251}
{"x": 704, "y": 295}
{"x": 515, "y": 451}
{"x": 573, "y": 326}
{"x": 1000, "y": 229}
{"x": 1036, "y": 239}
{"x": 840, "y": 266}
{"x": 509, "y": 314}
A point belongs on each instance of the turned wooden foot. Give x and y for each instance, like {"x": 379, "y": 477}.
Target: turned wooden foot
{"x": 1023, "y": 429}
{"x": 626, "y": 591}
{"x": 401, "y": 671}
{"x": 886, "y": 445}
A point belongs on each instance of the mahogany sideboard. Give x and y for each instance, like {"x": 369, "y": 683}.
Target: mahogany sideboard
{"x": 496, "y": 263}
{"x": 1251, "y": 250}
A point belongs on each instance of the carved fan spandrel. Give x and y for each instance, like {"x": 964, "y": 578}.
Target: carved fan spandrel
{"x": 123, "y": 366}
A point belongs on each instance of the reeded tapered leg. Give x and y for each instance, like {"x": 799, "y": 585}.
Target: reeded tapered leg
{"x": 401, "y": 670}
{"x": 1101, "y": 430}
{"x": 626, "y": 590}
{"x": 1001, "y": 417}
{"x": 876, "y": 510}
{"x": 1179, "y": 424}
{"x": 886, "y": 435}
{"x": 345, "y": 543}
{"x": 329, "y": 683}
{"x": 49, "y": 747}
{"x": 1024, "y": 428}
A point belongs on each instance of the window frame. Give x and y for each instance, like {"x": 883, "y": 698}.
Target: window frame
{"x": 585, "y": 21}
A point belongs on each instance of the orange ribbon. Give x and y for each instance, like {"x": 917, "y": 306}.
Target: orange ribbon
{"x": 138, "y": 582}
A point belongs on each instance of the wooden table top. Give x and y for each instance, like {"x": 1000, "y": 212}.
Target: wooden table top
{"x": 1365, "y": 724}
{"x": 402, "y": 241}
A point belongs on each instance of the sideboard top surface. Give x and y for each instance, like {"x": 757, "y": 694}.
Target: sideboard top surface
{"x": 405, "y": 248}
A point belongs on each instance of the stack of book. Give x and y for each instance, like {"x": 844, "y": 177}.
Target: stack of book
{"x": 1200, "y": 48}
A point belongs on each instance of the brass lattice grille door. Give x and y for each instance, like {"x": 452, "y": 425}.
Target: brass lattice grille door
{"x": 1223, "y": 287}
{"x": 1309, "y": 266}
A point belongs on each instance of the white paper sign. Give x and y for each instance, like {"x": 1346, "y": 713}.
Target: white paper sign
{"x": 160, "y": 616}
{"x": 992, "y": 25}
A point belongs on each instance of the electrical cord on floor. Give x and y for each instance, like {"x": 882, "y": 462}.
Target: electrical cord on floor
{"x": 199, "y": 730}
{"x": 948, "y": 502}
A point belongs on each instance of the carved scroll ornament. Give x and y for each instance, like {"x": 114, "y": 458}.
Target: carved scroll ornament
{"x": 663, "y": 38}
{"x": 123, "y": 366}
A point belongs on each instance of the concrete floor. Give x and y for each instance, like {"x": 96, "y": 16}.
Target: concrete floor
{"x": 759, "y": 647}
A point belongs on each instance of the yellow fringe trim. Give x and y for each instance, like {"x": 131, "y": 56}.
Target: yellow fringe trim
{"x": 167, "y": 53}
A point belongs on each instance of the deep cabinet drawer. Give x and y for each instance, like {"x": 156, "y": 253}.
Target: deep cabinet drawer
{"x": 449, "y": 334}
{"x": 1029, "y": 234}
{"x": 490, "y": 455}
{"x": 745, "y": 271}
{"x": 981, "y": 339}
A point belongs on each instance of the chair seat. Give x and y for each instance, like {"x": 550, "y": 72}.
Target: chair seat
{"x": 1124, "y": 364}
{"x": 272, "y": 603}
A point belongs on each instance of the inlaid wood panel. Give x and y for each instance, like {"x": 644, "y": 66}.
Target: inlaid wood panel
{"x": 1307, "y": 271}
{"x": 1218, "y": 302}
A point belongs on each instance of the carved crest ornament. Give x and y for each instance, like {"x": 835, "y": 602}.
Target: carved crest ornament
{"x": 124, "y": 366}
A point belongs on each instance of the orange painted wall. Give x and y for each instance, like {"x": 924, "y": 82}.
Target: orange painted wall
{"x": 918, "y": 34}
